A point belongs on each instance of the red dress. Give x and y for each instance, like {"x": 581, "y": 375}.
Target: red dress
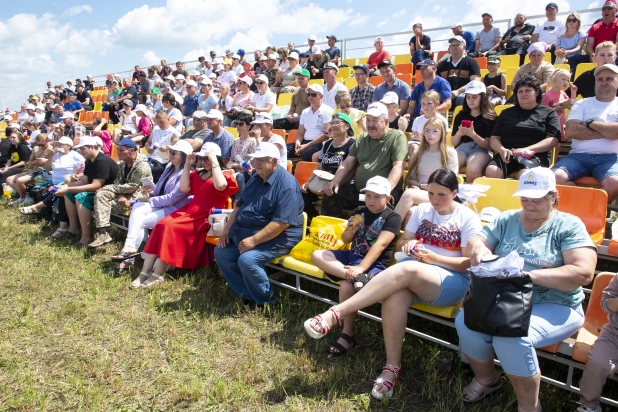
{"x": 180, "y": 238}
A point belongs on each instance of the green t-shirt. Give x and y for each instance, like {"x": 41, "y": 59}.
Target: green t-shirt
{"x": 540, "y": 249}
{"x": 376, "y": 156}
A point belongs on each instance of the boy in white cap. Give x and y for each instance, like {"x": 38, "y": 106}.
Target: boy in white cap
{"x": 372, "y": 231}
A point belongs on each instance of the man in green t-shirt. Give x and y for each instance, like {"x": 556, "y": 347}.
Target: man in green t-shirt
{"x": 379, "y": 152}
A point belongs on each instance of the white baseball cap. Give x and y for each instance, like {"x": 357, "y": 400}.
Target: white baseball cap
{"x": 266, "y": 149}
{"x": 377, "y": 109}
{"x": 212, "y": 76}
{"x": 170, "y": 77}
{"x": 262, "y": 78}
{"x": 87, "y": 141}
{"x": 611, "y": 67}
{"x": 489, "y": 214}
{"x": 390, "y": 98}
{"x": 210, "y": 147}
{"x": 30, "y": 107}
{"x": 316, "y": 49}
{"x": 246, "y": 79}
{"x": 182, "y": 146}
{"x": 379, "y": 185}
{"x": 312, "y": 37}
{"x": 263, "y": 118}
{"x": 536, "y": 183}
{"x": 293, "y": 55}
{"x": 199, "y": 114}
{"x": 316, "y": 88}
{"x": 214, "y": 114}
{"x": 191, "y": 83}
{"x": 205, "y": 82}
{"x": 180, "y": 77}
{"x": 67, "y": 115}
{"x": 65, "y": 140}
{"x": 235, "y": 56}
{"x": 475, "y": 87}
{"x": 143, "y": 108}
{"x": 331, "y": 66}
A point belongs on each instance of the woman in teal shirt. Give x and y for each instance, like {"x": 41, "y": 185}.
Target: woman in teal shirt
{"x": 560, "y": 258}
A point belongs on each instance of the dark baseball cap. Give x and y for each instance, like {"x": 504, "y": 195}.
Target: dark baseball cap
{"x": 213, "y": 53}
{"x": 143, "y": 74}
{"x": 487, "y": 14}
{"x": 363, "y": 67}
{"x": 426, "y": 62}
{"x": 385, "y": 62}
{"x": 332, "y": 37}
{"x": 552, "y": 6}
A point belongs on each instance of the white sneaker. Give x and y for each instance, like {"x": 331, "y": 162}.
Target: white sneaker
{"x": 582, "y": 408}
{"x": 17, "y": 202}
{"x": 27, "y": 201}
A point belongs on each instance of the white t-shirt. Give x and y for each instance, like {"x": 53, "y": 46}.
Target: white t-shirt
{"x": 176, "y": 115}
{"x": 228, "y": 77}
{"x": 130, "y": 122}
{"x": 283, "y": 151}
{"x": 549, "y": 31}
{"x": 431, "y": 161}
{"x": 39, "y": 117}
{"x": 591, "y": 108}
{"x": 162, "y": 138}
{"x": 260, "y": 101}
{"x": 328, "y": 97}
{"x": 238, "y": 70}
{"x": 65, "y": 165}
{"x": 314, "y": 122}
{"x": 445, "y": 235}
{"x": 419, "y": 122}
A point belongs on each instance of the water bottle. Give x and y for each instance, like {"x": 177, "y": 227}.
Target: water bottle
{"x": 155, "y": 146}
{"x": 52, "y": 189}
{"x": 525, "y": 162}
{"x": 244, "y": 164}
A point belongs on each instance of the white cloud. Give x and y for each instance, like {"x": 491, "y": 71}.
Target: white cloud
{"x": 150, "y": 58}
{"x": 381, "y": 23}
{"x": 595, "y": 4}
{"x": 358, "y": 20}
{"x": 75, "y": 10}
{"x": 399, "y": 14}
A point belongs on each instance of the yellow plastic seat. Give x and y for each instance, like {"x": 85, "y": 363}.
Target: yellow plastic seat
{"x": 316, "y": 81}
{"x": 563, "y": 66}
{"x": 98, "y": 107}
{"x": 350, "y": 62}
{"x": 402, "y": 58}
{"x": 444, "y": 311}
{"x": 510, "y": 74}
{"x": 285, "y": 99}
{"x": 303, "y": 267}
{"x": 498, "y": 109}
{"x": 345, "y": 72}
{"x": 583, "y": 67}
{"x": 351, "y": 83}
{"x": 455, "y": 112}
{"x": 363, "y": 60}
{"x": 507, "y": 61}
{"x": 233, "y": 131}
{"x": 499, "y": 194}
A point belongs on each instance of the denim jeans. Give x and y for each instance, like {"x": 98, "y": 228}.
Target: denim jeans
{"x": 418, "y": 57}
{"x": 549, "y": 323}
{"x": 245, "y": 272}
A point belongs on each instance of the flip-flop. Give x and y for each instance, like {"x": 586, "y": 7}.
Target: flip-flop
{"x": 340, "y": 349}
{"x": 122, "y": 256}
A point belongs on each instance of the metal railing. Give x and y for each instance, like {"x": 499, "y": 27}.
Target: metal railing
{"x": 395, "y": 43}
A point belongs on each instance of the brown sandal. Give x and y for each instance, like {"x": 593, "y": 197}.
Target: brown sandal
{"x": 476, "y": 392}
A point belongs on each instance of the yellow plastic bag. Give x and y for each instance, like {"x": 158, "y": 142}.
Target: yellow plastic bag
{"x": 322, "y": 236}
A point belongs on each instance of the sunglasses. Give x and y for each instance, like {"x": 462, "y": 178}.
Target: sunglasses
{"x": 202, "y": 158}
{"x": 174, "y": 152}
{"x": 238, "y": 124}
{"x": 607, "y": 8}
{"x": 572, "y": 20}
{"x": 258, "y": 83}
{"x": 312, "y": 94}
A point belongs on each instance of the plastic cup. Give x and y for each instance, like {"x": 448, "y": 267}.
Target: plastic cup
{"x": 445, "y": 361}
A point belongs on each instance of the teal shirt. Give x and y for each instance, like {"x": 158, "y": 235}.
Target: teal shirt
{"x": 540, "y": 249}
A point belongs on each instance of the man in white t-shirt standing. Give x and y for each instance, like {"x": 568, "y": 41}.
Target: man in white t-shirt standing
{"x": 549, "y": 31}
{"x": 593, "y": 130}
{"x": 313, "y": 126}
{"x": 331, "y": 85}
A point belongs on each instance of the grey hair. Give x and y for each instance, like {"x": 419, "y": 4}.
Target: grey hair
{"x": 554, "y": 197}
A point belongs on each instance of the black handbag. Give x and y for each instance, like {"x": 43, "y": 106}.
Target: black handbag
{"x": 499, "y": 306}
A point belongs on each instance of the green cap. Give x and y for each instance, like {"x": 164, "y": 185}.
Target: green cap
{"x": 344, "y": 117}
{"x": 155, "y": 90}
{"x": 303, "y": 72}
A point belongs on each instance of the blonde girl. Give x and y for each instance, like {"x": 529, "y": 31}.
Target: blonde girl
{"x": 429, "y": 103}
{"x": 433, "y": 153}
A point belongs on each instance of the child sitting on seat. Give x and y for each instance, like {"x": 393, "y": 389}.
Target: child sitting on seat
{"x": 557, "y": 99}
{"x": 495, "y": 82}
{"x": 373, "y": 231}
{"x": 429, "y": 103}
{"x": 602, "y": 358}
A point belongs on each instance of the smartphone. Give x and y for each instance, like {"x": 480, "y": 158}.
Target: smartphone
{"x": 147, "y": 182}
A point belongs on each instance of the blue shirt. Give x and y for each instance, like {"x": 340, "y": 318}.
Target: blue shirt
{"x": 277, "y": 200}
{"x": 399, "y": 87}
{"x": 469, "y": 38}
{"x": 190, "y": 104}
{"x": 207, "y": 104}
{"x": 333, "y": 52}
{"x": 224, "y": 140}
{"x": 439, "y": 85}
{"x": 73, "y": 107}
{"x": 540, "y": 249}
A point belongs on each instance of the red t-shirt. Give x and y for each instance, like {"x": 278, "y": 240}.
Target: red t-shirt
{"x": 603, "y": 32}
{"x": 377, "y": 57}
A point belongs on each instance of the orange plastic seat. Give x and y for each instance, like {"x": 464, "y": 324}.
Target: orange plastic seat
{"x": 441, "y": 54}
{"x": 292, "y": 136}
{"x": 592, "y": 211}
{"x": 403, "y": 68}
{"x": 482, "y": 61}
{"x": 417, "y": 77}
{"x": 82, "y": 117}
{"x": 280, "y": 132}
{"x": 406, "y": 78}
{"x": 290, "y": 166}
{"x": 303, "y": 171}
{"x": 114, "y": 154}
{"x": 587, "y": 181}
{"x": 594, "y": 320}
{"x": 376, "y": 80}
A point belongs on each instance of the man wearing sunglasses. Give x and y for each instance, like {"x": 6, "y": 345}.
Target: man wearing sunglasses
{"x": 314, "y": 126}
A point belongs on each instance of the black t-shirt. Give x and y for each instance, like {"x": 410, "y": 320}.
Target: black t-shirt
{"x": 521, "y": 128}
{"x": 103, "y": 167}
{"x": 20, "y": 153}
{"x": 370, "y": 229}
{"x": 516, "y": 40}
{"x": 5, "y": 145}
{"x": 585, "y": 85}
{"x": 425, "y": 41}
{"x": 460, "y": 75}
{"x": 395, "y": 123}
{"x": 483, "y": 127}
{"x": 129, "y": 90}
{"x": 334, "y": 156}
{"x": 81, "y": 97}
{"x": 493, "y": 81}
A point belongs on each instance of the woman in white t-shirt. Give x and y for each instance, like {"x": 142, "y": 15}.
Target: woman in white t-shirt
{"x": 172, "y": 107}
{"x": 264, "y": 100}
{"x": 432, "y": 270}
{"x": 128, "y": 121}
{"x": 429, "y": 103}
{"x": 263, "y": 132}
{"x": 433, "y": 153}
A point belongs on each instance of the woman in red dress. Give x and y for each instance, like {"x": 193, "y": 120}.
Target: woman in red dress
{"x": 180, "y": 238}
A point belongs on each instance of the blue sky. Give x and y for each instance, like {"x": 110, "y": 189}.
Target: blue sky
{"x": 60, "y": 40}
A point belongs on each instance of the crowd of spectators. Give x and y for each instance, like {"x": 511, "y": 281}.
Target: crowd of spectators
{"x": 190, "y": 141}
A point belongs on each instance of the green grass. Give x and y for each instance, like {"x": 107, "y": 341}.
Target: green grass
{"x": 75, "y": 338}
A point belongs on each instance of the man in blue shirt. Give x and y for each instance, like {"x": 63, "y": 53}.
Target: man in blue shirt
{"x": 392, "y": 84}
{"x": 73, "y": 105}
{"x": 219, "y": 136}
{"x": 468, "y": 36}
{"x": 266, "y": 223}
{"x": 429, "y": 82}
{"x": 333, "y": 52}
{"x": 190, "y": 102}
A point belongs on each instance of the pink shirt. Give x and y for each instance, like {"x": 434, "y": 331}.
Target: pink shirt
{"x": 144, "y": 126}
{"x": 106, "y": 138}
{"x": 551, "y": 99}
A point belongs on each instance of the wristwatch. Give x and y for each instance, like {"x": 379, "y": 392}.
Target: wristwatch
{"x": 588, "y": 123}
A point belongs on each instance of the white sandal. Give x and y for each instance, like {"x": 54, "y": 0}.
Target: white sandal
{"x": 148, "y": 283}
{"x": 322, "y": 324}
{"x": 389, "y": 385}
{"x": 137, "y": 282}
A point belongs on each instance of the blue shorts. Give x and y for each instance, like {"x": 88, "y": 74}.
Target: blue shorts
{"x": 349, "y": 258}
{"x": 469, "y": 148}
{"x": 599, "y": 166}
{"x": 86, "y": 199}
{"x": 453, "y": 287}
